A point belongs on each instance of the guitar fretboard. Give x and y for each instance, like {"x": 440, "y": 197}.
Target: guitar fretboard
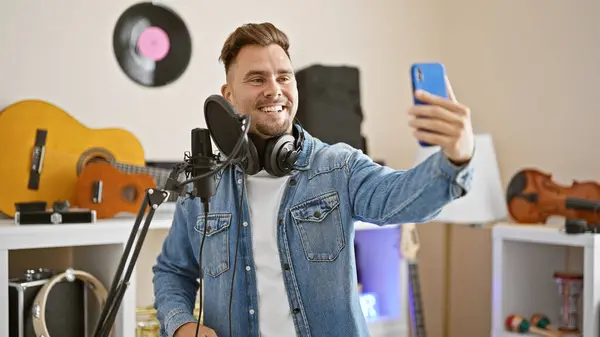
{"x": 416, "y": 306}
{"x": 160, "y": 175}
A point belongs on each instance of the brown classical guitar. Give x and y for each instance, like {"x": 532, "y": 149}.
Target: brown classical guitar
{"x": 409, "y": 246}
{"x": 43, "y": 150}
{"x": 111, "y": 189}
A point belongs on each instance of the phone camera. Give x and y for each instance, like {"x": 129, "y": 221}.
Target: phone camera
{"x": 419, "y": 75}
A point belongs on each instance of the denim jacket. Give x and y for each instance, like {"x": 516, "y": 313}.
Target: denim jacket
{"x": 330, "y": 187}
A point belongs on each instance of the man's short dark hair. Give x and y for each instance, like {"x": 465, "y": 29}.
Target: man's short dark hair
{"x": 261, "y": 34}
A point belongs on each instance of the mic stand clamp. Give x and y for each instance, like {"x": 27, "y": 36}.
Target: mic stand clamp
{"x": 153, "y": 199}
{"x": 172, "y": 183}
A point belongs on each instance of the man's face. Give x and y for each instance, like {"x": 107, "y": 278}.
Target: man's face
{"x": 261, "y": 83}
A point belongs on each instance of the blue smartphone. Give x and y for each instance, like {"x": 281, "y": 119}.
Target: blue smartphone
{"x": 430, "y": 77}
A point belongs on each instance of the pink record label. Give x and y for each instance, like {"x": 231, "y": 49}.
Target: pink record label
{"x": 154, "y": 43}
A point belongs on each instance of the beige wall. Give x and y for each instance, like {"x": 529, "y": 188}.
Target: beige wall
{"x": 61, "y": 51}
{"x": 529, "y": 70}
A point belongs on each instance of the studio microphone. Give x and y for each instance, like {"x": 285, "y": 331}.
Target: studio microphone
{"x": 203, "y": 163}
{"x": 229, "y": 130}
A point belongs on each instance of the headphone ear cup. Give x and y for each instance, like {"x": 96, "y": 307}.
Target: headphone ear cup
{"x": 252, "y": 161}
{"x": 277, "y": 154}
{"x": 269, "y": 155}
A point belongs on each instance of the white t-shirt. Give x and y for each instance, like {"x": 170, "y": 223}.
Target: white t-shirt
{"x": 264, "y": 197}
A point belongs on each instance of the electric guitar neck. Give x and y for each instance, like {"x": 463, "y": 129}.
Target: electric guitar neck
{"x": 410, "y": 246}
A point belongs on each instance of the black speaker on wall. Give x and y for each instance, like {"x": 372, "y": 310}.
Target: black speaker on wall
{"x": 329, "y": 104}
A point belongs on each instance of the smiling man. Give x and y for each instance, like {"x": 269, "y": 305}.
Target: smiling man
{"x": 250, "y": 73}
{"x": 272, "y": 112}
{"x": 295, "y": 273}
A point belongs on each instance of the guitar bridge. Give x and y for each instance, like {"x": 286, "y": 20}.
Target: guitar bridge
{"x": 37, "y": 159}
{"x": 97, "y": 192}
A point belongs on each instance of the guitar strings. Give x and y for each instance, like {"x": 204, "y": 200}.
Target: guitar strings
{"x": 157, "y": 172}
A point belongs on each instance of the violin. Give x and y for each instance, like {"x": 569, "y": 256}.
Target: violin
{"x": 532, "y": 196}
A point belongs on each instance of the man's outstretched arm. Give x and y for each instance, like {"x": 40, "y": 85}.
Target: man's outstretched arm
{"x": 383, "y": 196}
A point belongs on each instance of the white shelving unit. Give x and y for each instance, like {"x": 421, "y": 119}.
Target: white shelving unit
{"x": 98, "y": 248}
{"x": 525, "y": 258}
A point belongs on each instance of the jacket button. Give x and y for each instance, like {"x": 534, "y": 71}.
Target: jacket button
{"x": 293, "y": 182}
{"x": 296, "y": 310}
{"x": 286, "y": 266}
{"x": 317, "y": 214}
{"x": 281, "y": 221}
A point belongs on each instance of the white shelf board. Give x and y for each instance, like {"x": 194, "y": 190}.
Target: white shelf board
{"x": 543, "y": 234}
{"x": 512, "y": 334}
{"x": 503, "y": 333}
{"x": 106, "y": 231}
{"x": 115, "y": 230}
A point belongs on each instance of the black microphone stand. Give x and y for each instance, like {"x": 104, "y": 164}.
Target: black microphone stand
{"x": 200, "y": 167}
{"x": 153, "y": 199}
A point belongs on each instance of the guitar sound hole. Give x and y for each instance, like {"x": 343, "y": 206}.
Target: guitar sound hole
{"x": 94, "y": 155}
{"x": 97, "y": 160}
{"x": 129, "y": 193}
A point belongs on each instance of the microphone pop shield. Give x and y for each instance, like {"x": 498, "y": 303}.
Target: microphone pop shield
{"x": 225, "y": 125}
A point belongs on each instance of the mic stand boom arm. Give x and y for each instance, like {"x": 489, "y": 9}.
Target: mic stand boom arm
{"x": 153, "y": 199}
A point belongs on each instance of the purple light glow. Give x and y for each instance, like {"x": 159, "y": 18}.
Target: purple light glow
{"x": 378, "y": 258}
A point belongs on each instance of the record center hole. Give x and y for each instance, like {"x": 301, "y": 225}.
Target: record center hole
{"x": 154, "y": 43}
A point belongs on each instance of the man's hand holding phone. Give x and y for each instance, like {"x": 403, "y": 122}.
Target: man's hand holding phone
{"x": 447, "y": 123}
{"x": 189, "y": 330}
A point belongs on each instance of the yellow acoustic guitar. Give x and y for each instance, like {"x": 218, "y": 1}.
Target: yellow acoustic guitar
{"x": 43, "y": 149}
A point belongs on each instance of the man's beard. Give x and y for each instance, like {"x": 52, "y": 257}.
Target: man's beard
{"x": 273, "y": 130}
{"x": 266, "y": 126}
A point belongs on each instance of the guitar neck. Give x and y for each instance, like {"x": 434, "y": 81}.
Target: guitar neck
{"x": 160, "y": 175}
{"x": 416, "y": 304}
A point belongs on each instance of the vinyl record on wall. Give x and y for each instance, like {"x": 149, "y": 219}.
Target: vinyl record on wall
{"x": 152, "y": 44}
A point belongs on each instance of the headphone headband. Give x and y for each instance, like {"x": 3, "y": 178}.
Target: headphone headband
{"x": 299, "y": 138}
{"x": 281, "y": 154}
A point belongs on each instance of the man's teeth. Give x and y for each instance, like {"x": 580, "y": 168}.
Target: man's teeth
{"x": 277, "y": 108}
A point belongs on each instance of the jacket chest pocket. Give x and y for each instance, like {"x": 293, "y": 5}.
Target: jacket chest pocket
{"x": 319, "y": 224}
{"x": 215, "y": 252}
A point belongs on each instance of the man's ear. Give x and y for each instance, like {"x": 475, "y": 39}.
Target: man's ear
{"x": 226, "y": 92}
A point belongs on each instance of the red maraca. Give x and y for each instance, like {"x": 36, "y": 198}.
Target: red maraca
{"x": 542, "y": 321}
{"x": 516, "y": 323}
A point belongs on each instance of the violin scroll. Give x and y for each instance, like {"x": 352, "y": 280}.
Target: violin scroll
{"x": 532, "y": 196}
